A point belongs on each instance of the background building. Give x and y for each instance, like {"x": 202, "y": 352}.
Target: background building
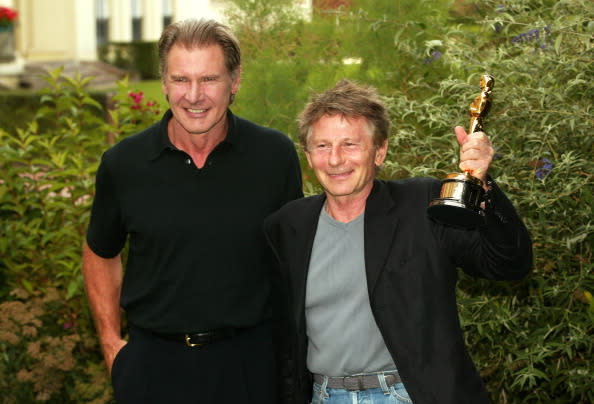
{"x": 51, "y": 33}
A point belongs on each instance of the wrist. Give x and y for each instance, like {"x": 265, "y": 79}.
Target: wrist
{"x": 489, "y": 186}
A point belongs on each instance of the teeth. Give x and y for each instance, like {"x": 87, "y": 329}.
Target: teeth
{"x": 196, "y": 111}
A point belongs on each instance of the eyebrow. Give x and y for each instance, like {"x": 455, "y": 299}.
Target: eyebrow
{"x": 204, "y": 76}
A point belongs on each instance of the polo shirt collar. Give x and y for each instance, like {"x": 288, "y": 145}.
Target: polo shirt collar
{"x": 161, "y": 142}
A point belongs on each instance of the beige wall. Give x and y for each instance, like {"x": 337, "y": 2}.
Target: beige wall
{"x": 53, "y": 30}
{"x": 46, "y": 29}
{"x": 66, "y": 29}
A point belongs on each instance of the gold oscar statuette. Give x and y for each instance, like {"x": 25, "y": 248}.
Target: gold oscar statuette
{"x": 459, "y": 202}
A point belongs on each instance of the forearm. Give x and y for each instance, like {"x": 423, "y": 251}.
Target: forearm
{"x": 103, "y": 281}
{"x": 504, "y": 246}
{"x": 499, "y": 249}
{"x": 507, "y": 230}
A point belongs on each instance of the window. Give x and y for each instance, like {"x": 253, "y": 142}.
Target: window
{"x": 102, "y": 21}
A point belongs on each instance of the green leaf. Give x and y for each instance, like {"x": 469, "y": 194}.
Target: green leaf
{"x": 558, "y": 42}
{"x": 73, "y": 289}
{"x": 27, "y": 285}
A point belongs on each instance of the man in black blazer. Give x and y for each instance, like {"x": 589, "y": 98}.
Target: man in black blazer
{"x": 367, "y": 281}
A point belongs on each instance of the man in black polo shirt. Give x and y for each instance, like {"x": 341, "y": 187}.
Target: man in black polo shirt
{"x": 190, "y": 194}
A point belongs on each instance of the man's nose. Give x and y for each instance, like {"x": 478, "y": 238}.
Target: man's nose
{"x": 194, "y": 92}
{"x": 336, "y": 156}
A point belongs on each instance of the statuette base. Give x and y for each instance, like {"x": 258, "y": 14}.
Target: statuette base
{"x": 459, "y": 202}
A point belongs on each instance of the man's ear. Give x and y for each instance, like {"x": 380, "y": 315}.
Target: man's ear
{"x": 307, "y": 155}
{"x": 236, "y": 76}
{"x": 380, "y": 154}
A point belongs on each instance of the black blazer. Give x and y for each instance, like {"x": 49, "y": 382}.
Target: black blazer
{"x": 410, "y": 262}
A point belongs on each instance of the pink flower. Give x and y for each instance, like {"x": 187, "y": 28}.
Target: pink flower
{"x": 137, "y": 97}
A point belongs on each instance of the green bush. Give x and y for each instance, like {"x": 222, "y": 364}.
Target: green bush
{"x": 17, "y": 107}
{"x": 532, "y": 340}
{"x": 21, "y": 106}
{"x": 48, "y": 348}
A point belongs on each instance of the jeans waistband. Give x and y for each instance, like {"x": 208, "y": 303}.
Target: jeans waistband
{"x": 358, "y": 382}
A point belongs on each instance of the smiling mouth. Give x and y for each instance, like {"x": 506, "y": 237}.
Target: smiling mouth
{"x": 196, "y": 111}
{"x": 342, "y": 174}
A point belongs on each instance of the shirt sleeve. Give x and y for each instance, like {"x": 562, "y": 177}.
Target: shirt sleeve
{"x": 293, "y": 185}
{"x": 106, "y": 234}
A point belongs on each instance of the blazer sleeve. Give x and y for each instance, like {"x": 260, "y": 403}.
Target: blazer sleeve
{"x": 499, "y": 249}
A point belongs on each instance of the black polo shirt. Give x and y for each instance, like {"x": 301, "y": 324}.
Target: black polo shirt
{"x": 197, "y": 258}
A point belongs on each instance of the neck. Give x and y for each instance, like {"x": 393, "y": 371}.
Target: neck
{"x": 345, "y": 210}
{"x": 197, "y": 145}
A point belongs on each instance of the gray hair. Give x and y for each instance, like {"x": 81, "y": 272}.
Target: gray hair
{"x": 200, "y": 33}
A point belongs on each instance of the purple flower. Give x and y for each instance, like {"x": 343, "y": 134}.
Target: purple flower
{"x": 533, "y": 35}
{"x": 435, "y": 55}
{"x": 544, "y": 167}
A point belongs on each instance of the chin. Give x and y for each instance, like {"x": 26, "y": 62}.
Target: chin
{"x": 339, "y": 192}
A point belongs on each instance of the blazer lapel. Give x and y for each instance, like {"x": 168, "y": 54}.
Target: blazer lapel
{"x": 303, "y": 223}
{"x": 380, "y": 227}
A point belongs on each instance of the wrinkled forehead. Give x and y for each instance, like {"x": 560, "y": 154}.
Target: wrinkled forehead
{"x": 340, "y": 125}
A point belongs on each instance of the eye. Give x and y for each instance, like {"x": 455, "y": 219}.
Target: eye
{"x": 320, "y": 147}
{"x": 350, "y": 146}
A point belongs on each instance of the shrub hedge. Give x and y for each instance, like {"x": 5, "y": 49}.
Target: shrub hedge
{"x": 48, "y": 350}
{"x": 137, "y": 57}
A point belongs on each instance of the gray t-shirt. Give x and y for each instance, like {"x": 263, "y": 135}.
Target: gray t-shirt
{"x": 343, "y": 336}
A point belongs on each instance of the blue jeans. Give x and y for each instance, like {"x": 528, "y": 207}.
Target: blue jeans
{"x": 395, "y": 394}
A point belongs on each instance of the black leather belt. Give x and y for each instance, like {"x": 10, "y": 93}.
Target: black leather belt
{"x": 202, "y": 338}
{"x": 361, "y": 382}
